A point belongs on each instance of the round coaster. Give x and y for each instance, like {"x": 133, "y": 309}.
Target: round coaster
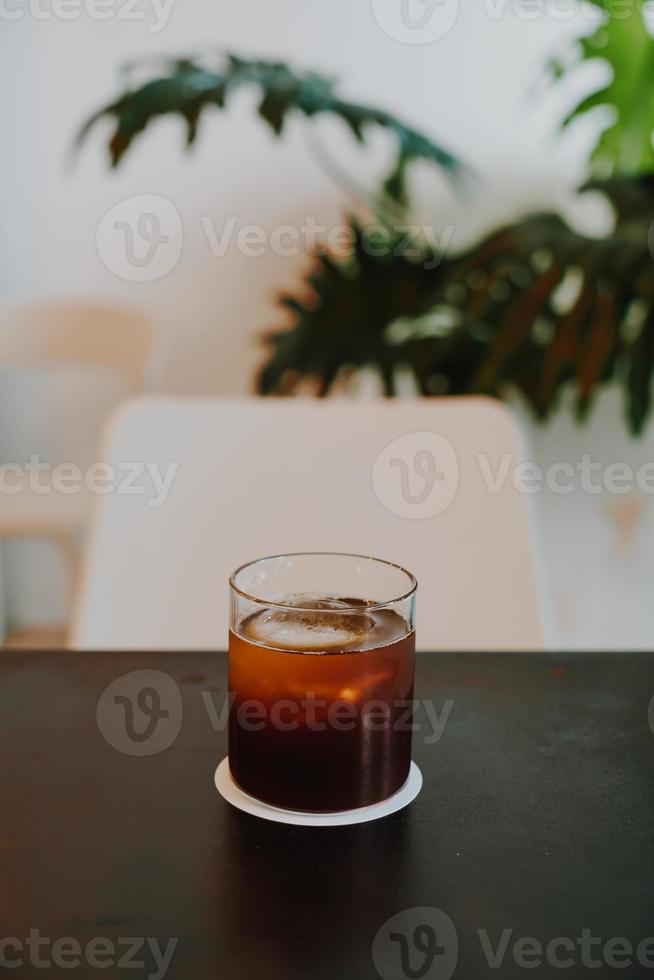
{"x": 235, "y": 795}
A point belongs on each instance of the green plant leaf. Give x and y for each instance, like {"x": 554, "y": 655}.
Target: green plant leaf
{"x": 186, "y": 88}
{"x": 535, "y": 307}
{"x": 625, "y": 44}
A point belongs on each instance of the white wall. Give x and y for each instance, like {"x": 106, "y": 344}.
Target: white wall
{"x": 472, "y": 89}
{"x": 597, "y": 533}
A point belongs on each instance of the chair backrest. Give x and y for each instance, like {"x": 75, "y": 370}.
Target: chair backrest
{"x": 55, "y": 331}
{"x": 56, "y": 411}
{"x": 423, "y": 483}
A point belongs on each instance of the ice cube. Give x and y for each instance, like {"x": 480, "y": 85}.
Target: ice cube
{"x": 316, "y": 625}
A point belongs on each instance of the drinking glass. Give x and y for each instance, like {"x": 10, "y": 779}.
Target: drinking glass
{"x": 321, "y": 668}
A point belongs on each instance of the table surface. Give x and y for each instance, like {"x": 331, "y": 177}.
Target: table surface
{"x": 535, "y": 820}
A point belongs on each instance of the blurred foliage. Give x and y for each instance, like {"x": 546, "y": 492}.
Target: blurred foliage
{"x": 187, "y": 88}
{"x": 622, "y": 40}
{"x": 535, "y": 307}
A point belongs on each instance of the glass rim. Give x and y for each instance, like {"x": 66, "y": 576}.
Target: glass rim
{"x": 323, "y": 554}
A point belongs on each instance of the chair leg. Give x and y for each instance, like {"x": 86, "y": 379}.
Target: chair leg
{"x": 69, "y": 553}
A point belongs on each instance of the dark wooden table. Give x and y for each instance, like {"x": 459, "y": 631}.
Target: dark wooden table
{"x": 536, "y": 816}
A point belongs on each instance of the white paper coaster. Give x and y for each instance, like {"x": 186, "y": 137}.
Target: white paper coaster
{"x": 235, "y": 795}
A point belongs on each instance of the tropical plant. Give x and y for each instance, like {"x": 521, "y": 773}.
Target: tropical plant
{"x": 188, "y": 87}
{"x": 623, "y": 42}
{"x": 535, "y": 307}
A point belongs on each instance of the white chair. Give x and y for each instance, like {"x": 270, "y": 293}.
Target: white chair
{"x": 63, "y": 367}
{"x": 259, "y": 477}
{"x": 71, "y": 332}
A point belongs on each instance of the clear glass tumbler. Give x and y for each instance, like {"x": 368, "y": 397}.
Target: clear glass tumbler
{"x": 321, "y": 667}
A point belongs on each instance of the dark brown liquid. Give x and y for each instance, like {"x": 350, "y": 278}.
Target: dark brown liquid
{"x": 321, "y": 717}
